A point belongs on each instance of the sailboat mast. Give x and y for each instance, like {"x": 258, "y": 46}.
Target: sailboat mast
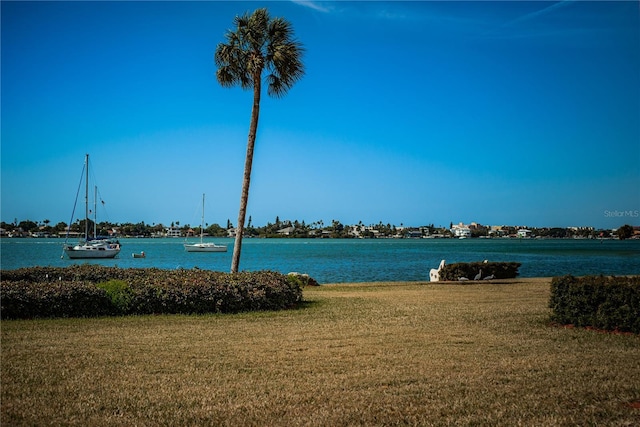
{"x": 95, "y": 212}
{"x": 202, "y": 221}
{"x": 86, "y": 199}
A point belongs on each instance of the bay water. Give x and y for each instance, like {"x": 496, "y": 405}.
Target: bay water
{"x": 351, "y": 260}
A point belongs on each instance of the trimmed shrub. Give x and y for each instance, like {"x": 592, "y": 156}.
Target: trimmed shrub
{"x": 604, "y": 302}
{"x": 80, "y": 291}
{"x": 120, "y": 294}
{"x": 469, "y": 270}
{"x": 23, "y": 299}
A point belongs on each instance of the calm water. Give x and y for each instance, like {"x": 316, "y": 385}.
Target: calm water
{"x": 335, "y": 260}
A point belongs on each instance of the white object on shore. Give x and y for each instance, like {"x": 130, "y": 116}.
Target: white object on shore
{"x": 434, "y": 274}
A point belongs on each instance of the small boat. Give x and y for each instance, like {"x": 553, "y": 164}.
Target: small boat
{"x": 140, "y": 255}
{"x": 91, "y": 247}
{"x": 203, "y": 247}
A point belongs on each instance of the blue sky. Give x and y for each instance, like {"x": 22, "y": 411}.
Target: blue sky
{"x": 522, "y": 113}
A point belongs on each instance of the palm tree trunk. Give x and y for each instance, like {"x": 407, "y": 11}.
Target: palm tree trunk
{"x": 248, "y": 162}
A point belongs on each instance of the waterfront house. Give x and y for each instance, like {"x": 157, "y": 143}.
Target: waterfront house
{"x": 524, "y": 233}
{"x": 460, "y": 231}
{"x": 174, "y": 232}
{"x": 414, "y": 234}
{"x": 286, "y": 231}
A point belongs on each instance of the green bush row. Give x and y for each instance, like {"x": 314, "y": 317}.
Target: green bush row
{"x": 86, "y": 291}
{"x": 469, "y": 270}
{"x": 604, "y": 302}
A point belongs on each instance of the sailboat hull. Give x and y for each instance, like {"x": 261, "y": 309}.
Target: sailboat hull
{"x": 204, "y": 247}
{"x": 88, "y": 251}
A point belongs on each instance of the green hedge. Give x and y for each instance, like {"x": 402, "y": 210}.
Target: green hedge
{"x": 469, "y": 270}
{"x": 604, "y": 302}
{"x": 85, "y": 291}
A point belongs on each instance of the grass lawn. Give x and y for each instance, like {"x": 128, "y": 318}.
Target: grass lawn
{"x": 363, "y": 354}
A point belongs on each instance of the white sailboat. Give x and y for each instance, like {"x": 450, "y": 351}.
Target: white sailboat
{"x": 203, "y": 247}
{"x": 91, "y": 248}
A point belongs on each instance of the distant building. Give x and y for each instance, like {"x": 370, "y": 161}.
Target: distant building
{"x": 523, "y": 232}
{"x": 174, "y": 232}
{"x": 414, "y": 234}
{"x": 286, "y": 231}
{"x": 460, "y": 230}
{"x": 496, "y": 231}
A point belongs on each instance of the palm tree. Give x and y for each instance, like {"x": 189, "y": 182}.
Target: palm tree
{"x": 259, "y": 43}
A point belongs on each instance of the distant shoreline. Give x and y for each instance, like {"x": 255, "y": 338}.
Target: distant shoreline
{"x": 77, "y": 235}
{"x": 296, "y": 229}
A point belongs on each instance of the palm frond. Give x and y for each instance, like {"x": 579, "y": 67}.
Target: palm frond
{"x": 260, "y": 43}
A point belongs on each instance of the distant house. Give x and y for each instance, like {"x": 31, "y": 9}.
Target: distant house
{"x": 523, "y": 232}
{"x": 496, "y": 231}
{"x": 414, "y": 234}
{"x": 461, "y": 231}
{"x": 286, "y": 231}
{"x": 174, "y": 232}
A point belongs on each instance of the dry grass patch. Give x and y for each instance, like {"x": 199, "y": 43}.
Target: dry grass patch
{"x": 365, "y": 354}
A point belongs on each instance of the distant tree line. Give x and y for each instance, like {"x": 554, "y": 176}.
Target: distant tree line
{"x": 104, "y": 228}
{"x": 297, "y": 229}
